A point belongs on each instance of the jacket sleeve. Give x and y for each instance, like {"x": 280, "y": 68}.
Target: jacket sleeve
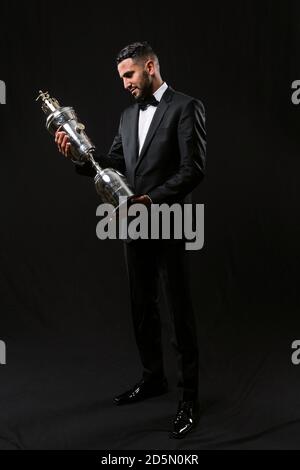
{"x": 192, "y": 146}
{"x": 114, "y": 158}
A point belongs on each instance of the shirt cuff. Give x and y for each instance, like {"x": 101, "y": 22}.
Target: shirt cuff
{"x": 149, "y": 198}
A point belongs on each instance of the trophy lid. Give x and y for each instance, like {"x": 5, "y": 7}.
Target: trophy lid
{"x": 49, "y": 104}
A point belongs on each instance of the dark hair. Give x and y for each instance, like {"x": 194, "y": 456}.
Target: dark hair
{"x": 136, "y": 50}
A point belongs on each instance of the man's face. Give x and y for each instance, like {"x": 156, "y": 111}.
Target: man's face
{"x": 137, "y": 78}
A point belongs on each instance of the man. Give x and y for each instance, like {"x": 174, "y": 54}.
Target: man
{"x": 160, "y": 147}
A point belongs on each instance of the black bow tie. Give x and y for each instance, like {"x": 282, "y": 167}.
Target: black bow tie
{"x": 151, "y": 101}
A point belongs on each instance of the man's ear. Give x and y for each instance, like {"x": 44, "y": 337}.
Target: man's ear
{"x": 149, "y": 65}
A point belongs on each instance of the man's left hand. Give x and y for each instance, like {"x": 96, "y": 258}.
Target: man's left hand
{"x": 144, "y": 199}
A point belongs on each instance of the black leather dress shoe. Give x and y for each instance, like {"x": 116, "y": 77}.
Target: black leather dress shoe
{"x": 141, "y": 391}
{"x": 185, "y": 419}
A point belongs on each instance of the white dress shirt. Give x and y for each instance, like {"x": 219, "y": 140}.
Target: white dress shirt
{"x": 146, "y": 116}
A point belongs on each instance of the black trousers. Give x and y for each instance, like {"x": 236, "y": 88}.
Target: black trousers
{"x": 148, "y": 263}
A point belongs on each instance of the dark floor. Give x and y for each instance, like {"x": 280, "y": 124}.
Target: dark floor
{"x": 56, "y": 393}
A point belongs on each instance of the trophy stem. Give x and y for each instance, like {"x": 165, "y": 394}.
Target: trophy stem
{"x": 96, "y": 165}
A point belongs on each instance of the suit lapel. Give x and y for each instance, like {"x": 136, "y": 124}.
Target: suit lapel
{"x": 133, "y": 135}
{"x": 161, "y": 109}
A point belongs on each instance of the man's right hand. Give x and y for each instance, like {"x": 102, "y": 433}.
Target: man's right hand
{"x": 63, "y": 143}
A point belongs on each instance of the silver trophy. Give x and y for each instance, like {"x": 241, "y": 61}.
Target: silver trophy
{"x": 111, "y": 185}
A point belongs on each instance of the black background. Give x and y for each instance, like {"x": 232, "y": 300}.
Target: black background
{"x": 64, "y": 301}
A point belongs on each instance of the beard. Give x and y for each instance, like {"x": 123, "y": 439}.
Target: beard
{"x": 145, "y": 88}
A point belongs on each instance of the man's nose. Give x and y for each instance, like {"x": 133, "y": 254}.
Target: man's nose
{"x": 127, "y": 84}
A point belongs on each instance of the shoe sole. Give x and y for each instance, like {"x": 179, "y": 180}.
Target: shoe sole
{"x": 172, "y": 435}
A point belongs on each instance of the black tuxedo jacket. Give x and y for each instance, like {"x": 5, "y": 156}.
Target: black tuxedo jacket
{"x": 172, "y": 159}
